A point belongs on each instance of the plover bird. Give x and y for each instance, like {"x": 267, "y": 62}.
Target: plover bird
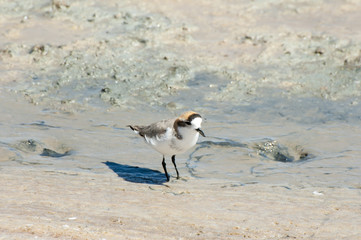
{"x": 172, "y": 136}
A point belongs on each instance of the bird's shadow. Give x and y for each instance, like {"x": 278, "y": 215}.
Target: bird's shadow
{"x": 137, "y": 174}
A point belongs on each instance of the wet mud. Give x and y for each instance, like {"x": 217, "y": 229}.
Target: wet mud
{"x": 278, "y": 84}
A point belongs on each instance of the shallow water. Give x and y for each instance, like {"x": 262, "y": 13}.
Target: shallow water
{"x": 238, "y": 149}
{"x": 277, "y": 82}
{"x": 281, "y": 103}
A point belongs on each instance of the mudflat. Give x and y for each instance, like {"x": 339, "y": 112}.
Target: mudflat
{"x": 277, "y": 82}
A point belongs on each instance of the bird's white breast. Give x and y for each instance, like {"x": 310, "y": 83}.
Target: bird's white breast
{"x": 167, "y": 144}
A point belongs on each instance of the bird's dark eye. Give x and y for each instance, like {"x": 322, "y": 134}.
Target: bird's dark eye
{"x": 188, "y": 123}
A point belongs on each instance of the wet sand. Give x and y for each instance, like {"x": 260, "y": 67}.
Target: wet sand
{"x": 66, "y": 205}
{"x": 106, "y": 189}
{"x": 278, "y": 84}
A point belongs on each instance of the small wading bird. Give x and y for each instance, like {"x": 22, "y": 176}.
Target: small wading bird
{"x": 172, "y": 136}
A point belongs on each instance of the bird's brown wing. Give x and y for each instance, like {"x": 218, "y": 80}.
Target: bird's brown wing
{"x": 153, "y": 130}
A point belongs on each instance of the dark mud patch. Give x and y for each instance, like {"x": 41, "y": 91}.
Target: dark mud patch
{"x": 36, "y": 147}
{"x": 273, "y": 150}
{"x": 51, "y": 153}
{"x": 240, "y": 156}
{"x": 29, "y": 145}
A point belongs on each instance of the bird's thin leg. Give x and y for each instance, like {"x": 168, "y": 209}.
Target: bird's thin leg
{"x": 173, "y": 161}
{"x": 165, "y": 169}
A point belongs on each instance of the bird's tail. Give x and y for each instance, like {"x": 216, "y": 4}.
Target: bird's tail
{"x": 134, "y": 128}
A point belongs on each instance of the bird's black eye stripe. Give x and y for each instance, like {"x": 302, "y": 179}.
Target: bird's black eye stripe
{"x": 183, "y": 123}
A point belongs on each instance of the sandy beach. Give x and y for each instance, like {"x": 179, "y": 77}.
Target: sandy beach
{"x": 63, "y": 205}
{"x": 278, "y": 84}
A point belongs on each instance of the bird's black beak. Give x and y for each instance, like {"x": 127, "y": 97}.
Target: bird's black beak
{"x": 200, "y": 132}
